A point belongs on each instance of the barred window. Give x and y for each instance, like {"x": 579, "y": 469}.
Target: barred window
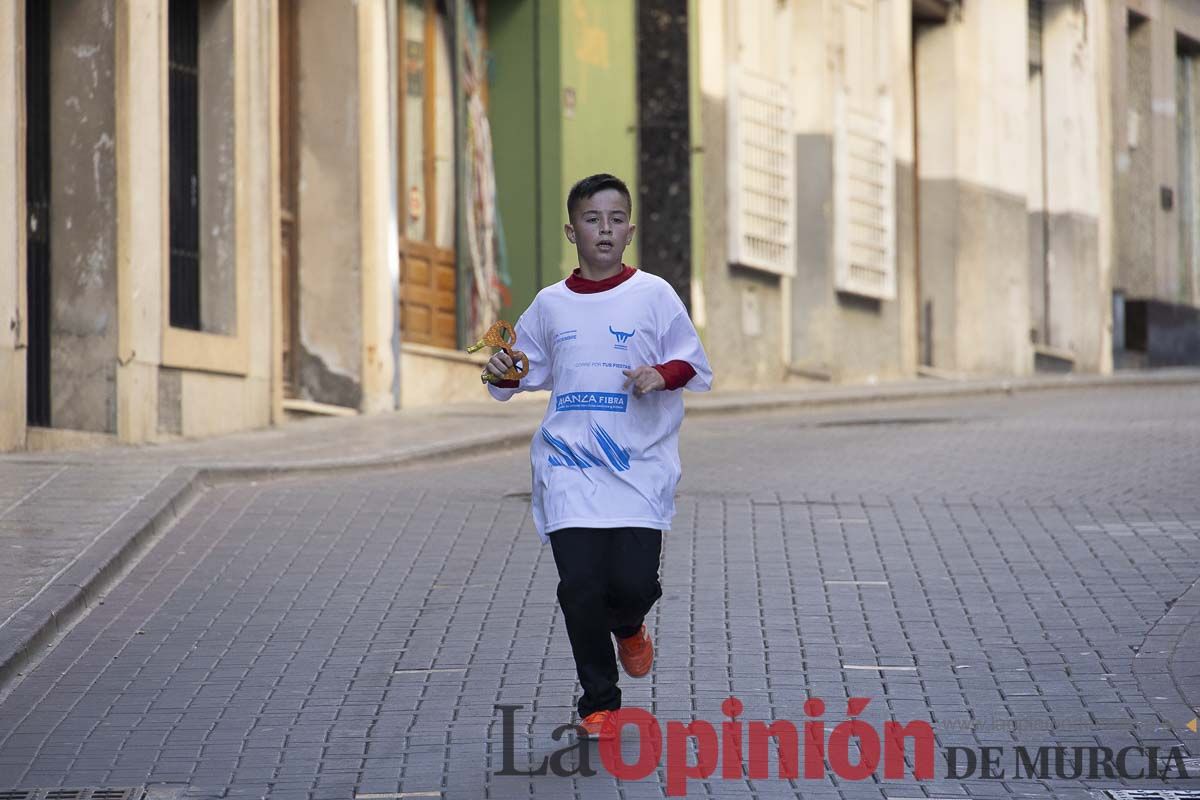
{"x": 184, "y": 143}
{"x": 864, "y": 170}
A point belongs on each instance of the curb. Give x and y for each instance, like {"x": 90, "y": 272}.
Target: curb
{"x": 933, "y": 390}
{"x": 63, "y": 600}
{"x": 71, "y": 593}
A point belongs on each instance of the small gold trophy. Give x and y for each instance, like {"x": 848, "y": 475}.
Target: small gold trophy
{"x": 502, "y": 335}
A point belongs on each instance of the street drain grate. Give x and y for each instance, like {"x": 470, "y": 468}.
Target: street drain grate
{"x": 89, "y": 793}
{"x": 864, "y": 422}
{"x": 1152, "y": 794}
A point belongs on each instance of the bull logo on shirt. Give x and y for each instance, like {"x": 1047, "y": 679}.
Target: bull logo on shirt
{"x": 622, "y": 338}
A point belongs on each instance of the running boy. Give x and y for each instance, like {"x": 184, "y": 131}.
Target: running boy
{"x": 612, "y": 344}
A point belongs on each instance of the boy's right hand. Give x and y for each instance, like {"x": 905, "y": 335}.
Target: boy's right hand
{"x": 499, "y": 364}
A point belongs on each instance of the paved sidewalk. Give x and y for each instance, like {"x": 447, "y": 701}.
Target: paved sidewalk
{"x": 70, "y": 522}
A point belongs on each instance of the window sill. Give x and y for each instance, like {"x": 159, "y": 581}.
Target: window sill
{"x": 205, "y": 352}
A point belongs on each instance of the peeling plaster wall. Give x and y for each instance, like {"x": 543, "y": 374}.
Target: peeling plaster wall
{"x": 328, "y": 204}
{"x": 83, "y": 215}
{"x": 218, "y": 229}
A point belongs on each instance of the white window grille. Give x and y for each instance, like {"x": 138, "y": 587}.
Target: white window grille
{"x": 864, "y": 169}
{"x": 762, "y": 181}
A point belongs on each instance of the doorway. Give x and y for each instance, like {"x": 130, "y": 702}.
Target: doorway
{"x": 426, "y": 175}
{"x": 932, "y": 78}
{"x": 1187, "y": 93}
{"x": 288, "y": 256}
{"x": 37, "y": 167}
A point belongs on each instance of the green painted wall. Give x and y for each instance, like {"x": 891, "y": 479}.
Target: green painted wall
{"x": 550, "y": 128}
{"x": 540, "y": 48}
{"x": 599, "y": 64}
{"x": 518, "y": 137}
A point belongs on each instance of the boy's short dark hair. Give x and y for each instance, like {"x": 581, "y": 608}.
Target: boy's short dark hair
{"x": 594, "y": 184}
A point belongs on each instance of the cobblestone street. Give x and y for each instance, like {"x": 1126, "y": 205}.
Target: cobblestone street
{"x": 1014, "y": 570}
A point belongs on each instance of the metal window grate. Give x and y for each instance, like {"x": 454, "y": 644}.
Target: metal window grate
{"x": 864, "y": 207}
{"x": 762, "y": 175}
{"x": 37, "y": 197}
{"x": 184, "y": 99}
{"x": 864, "y": 191}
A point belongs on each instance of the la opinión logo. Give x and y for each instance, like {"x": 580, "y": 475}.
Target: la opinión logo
{"x": 742, "y": 750}
{"x": 738, "y": 750}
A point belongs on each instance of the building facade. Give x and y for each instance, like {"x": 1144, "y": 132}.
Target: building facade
{"x": 1154, "y": 96}
{"x": 218, "y": 213}
{"x": 951, "y": 188}
{"x": 138, "y": 220}
{"x": 215, "y": 214}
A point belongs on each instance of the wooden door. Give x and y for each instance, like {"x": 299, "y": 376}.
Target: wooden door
{"x": 289, "y": 263}
{"x": 427, "y": 259}
{"x": 427, "y": 299}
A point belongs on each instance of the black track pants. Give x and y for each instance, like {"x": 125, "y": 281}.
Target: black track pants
{"x": 608, "y": 581}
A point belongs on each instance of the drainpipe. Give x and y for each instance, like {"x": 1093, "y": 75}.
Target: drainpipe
{"x": 462, "y": 262}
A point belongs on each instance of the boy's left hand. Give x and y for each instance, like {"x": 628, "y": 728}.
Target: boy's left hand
{"x": 644, "y": 380}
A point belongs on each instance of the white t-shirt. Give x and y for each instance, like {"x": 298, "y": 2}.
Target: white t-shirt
{"x": 604, "y": 457}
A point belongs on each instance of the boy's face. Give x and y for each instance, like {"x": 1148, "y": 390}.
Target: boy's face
{"x": 600, "y": 229}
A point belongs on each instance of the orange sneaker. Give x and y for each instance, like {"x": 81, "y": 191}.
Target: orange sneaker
{"x": 636, "y": 653}
{"x": 598, "y": 725}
